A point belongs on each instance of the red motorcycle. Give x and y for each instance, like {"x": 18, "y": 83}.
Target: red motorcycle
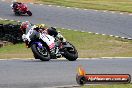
{"x": 20, "y": 9}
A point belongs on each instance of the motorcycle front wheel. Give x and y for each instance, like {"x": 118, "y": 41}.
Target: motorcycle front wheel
{"x": 29, "y": 13}
{"x": 40, "y": 53}
{"x": 70, "y": 53}
{"x": 17, "y": 13}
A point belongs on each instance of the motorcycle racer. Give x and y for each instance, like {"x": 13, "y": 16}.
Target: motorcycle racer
{"x": 42, "y": 28}
{"x": 20, "y": 8}
{"x": 46, "y": 43}
{"x": 15, "y": 5}
{"x": 51, "y": 31}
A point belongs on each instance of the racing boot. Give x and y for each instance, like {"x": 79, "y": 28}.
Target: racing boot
{"x": 52, "y": 53}
{"x": 61, "y": 38}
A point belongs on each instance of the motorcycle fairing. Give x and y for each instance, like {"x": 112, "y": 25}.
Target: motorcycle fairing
{"x": 48, "y": 39}
{"x": 40, "y": 45}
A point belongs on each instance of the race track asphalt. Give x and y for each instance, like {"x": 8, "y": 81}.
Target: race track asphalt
{"x": 55, "y": 73}
{"x": 84, "y": 20}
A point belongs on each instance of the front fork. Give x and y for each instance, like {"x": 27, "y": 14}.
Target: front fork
{"x": 58, "y": 50}
{"x": 27, "y": 43}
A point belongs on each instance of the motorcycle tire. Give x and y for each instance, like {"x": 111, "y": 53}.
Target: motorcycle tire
{"x": 70, "y": 55}
{"x": 39, "y": 54}
{"x": 17, "y": 13}
{"x": 29, "y": 13}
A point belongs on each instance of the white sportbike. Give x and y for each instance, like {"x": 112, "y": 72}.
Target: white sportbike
{"x": 46, "y": 47}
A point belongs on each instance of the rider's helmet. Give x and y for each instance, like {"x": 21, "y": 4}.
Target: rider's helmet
{"x": 24, "y": 26}
{"x": 41, "y": 26}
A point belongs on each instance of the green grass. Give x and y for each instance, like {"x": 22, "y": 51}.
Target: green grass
{"x": 113, "y": 5}
{"x": 8, "y": 22}
{"x": 109, "y": 86}
{"x": 88, "y": 46}
{"x": 15, "y": 51}
{"x": 91, "y": 45}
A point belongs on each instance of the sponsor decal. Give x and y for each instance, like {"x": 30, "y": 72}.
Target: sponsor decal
{"x": 83, "y": 78}
{"x": 52, "y": 45}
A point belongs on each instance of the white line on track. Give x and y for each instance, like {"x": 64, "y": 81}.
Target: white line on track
{"x": 116, "y": 57}
{"x": 96, "y": 10}
{"x": 103, "y": 34}
{"x": 58, "y": 6}
{"x": 123, "y": 37}
{"x": 129, "y": 38}
{"x": 130, "y": 14}
{"x": 65, "y": 86}
{"x": 68, "y": 7}
{"x": 112, "y": 12}
{"x": 90, "y": 32}
{"x": 77, "y": 59}
{"x": 49, "y": 5}
{"x": 75, "y": 30}
{"x": 82, "y": 31}
{"x": 40, "y": 4}
{"x": 85, "y": 9}
{"x": 76, "y": 8}
{"x": 96, "y": 33}
{"x": 63, "y": 28}
{"x": 105, "y": 11}
{"x": 117, "y": 36}
{"x": 121, "y": 13}
{"x": 111, "y": 35}
{"x": 32, "y": 3}
{"x": 18, "y": 59}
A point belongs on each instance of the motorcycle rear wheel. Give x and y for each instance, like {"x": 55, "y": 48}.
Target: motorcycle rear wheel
{"x": 41, "y": 54}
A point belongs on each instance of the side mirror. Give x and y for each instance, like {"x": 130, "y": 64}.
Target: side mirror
{"x": 53, "y": 28}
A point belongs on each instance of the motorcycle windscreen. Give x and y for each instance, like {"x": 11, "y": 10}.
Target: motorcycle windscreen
{"x": 30, "y": 33}
{"x": 30, "y": 27}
